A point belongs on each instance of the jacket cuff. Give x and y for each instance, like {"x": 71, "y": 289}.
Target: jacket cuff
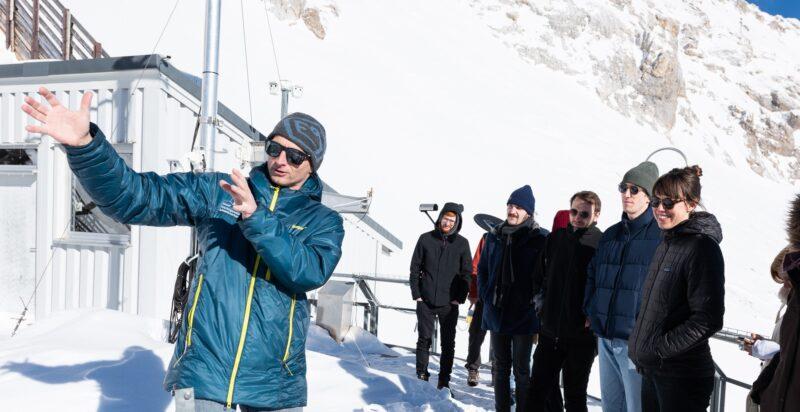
{"x": 97, "y": 140}
{"x": 256, "y": 220}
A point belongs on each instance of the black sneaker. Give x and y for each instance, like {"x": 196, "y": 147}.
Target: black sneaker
{"x": 423, "y": 376}
{"x": 473, "y": 378}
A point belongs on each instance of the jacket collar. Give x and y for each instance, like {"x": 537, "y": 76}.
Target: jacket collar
{"x": 641, "y": 221}
{"x": 263, "y": 189}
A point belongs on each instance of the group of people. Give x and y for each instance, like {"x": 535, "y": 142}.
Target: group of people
{"x": 645, "y": 296}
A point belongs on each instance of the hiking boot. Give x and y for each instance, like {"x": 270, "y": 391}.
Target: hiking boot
{"x": 473, "y": 378}
{"x": 443, "y": 384}
{"x": 423, "y": 376}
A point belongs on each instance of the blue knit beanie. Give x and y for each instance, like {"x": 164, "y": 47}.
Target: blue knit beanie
{"x": 523, "y": 197}
{"x": 306, "y": 132}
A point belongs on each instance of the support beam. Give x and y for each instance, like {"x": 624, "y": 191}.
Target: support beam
{"x": 35, "y": 35}
{"x": 66, "y": 36}
{"x": 10, "y": 24}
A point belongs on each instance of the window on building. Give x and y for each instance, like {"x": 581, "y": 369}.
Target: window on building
{"x": 87, "y": 217}
{"x": 17, "y": 157}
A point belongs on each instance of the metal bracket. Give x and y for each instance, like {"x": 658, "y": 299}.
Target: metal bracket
{"x": 184, "y": 400}
{"x": 216, "y": 121}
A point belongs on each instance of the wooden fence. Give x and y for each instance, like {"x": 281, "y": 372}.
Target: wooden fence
{"x": 45, "y": 29}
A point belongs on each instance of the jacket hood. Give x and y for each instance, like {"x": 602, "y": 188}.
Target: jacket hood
{"x": 456, "y": 208}
{"x": 702, "y": 223}
{"x": 793, "y": 222}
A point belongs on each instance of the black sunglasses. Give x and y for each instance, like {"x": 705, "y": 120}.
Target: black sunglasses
{"x": 624, "y": 188}
{"x": 668, "y": 203}
{"x": 294, "y": 156}
{"x": 583, "y": 215}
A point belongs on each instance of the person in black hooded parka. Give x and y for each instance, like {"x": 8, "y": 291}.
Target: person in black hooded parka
{"x": 682, "y": 300}
{"x": 441, "y": 267}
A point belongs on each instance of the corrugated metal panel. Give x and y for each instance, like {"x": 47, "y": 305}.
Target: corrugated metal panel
{"x": 108, "y": 110}
{"x": 12, "y": 128}
{"x": 86, "y": 277}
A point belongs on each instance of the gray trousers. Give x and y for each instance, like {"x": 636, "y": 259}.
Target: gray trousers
{"x": 186, "y": 402}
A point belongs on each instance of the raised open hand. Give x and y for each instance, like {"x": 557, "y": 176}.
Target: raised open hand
{"x": 243, "y": 200}
{"x": 68, "y": 127}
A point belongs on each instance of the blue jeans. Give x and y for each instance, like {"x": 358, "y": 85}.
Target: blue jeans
{"x": 620, "y": 384}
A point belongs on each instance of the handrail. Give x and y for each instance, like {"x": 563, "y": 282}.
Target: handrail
{"x": 372, "y": 306}
{"x": 45, "y": 29}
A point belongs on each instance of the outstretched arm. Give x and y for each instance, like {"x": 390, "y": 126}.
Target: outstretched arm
{"x": 120, "y": 192}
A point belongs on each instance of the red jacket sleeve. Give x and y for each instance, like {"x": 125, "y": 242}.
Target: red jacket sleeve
{"x": 473, "y": 284}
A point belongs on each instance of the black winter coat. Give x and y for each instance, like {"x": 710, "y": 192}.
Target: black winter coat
{"x": 683, "y": 301}
{"x": 441, "y": 265}
{"x": 560, "y": 276}
{"x": 777, "y": 389}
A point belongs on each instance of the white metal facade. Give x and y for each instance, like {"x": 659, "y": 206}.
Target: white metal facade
{"x": 134, "y": 273}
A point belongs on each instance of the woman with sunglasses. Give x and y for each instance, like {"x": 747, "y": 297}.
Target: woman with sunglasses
{"x": 682, "y": 300}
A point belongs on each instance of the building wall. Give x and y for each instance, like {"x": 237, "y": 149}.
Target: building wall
{"x": 134, "y": 273}
{"x": 17, "y": 239}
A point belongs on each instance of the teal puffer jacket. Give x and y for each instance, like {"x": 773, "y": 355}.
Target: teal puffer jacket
{"x": 243, "y": 338}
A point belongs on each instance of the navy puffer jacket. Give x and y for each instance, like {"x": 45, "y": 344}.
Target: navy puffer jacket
{"x": 616, "y": 274}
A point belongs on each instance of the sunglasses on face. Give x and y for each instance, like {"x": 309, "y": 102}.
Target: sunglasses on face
{"x": 583, "y": 215}
{"x": 293, "y": 156}
{"x": 668, "y": 203}
{"x": 624, "y": 188}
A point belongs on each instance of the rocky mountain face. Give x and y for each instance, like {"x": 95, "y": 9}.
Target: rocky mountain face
{"x": 716, "y": 73}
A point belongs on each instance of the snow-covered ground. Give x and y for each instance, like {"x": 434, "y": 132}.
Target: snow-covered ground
{"x": 110, "y": 361}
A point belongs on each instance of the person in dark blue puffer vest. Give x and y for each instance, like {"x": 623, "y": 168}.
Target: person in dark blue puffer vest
{"x": 613, "y": 287}
{"x": 505, "y": 285}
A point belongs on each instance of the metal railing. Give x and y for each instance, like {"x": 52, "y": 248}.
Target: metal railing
{"x": 372, "y": 308}
{"x": 45, "y": 29}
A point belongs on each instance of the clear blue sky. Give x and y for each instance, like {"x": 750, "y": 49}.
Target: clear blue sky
{"x": 785, "y": 8}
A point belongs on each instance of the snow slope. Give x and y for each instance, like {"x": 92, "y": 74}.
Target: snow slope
{"x": 110, "y": 361}
{"x": 423, "y": 103}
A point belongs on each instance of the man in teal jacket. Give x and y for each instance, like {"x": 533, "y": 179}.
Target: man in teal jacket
{"x": 264, "y": 242}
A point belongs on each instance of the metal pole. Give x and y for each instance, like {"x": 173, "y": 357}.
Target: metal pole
{"x": 208, "y": 109}
{"x": 284, "y": 101}
{"x": 435, "y": 335}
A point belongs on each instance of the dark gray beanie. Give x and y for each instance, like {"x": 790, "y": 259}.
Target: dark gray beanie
{"x": 306, "y": 132}
{"x": 644, "y": 175}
